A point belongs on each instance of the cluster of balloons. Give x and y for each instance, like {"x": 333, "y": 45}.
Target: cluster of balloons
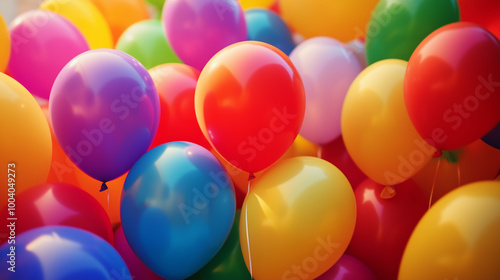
{"x": 252, "y": 139}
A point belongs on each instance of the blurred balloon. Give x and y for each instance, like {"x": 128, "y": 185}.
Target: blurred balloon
{"x": 458, "y": 237}
{"x": 60, "y": 253}
{"x": 145, "y": 41}
{"x": 348, "y": 268}
{"x": 297, "y": 219}
{"x": 60, "y": 204}
{"x": 266, "y": 26}
{"x": 482, "y": 12}
{"x": 5, "y": 45}
{"x": 198, "y": 29}
{"x": 105, "y": 112}
{"x": 342, "y": 20}
{"x": 450, "y": 85}
{"x": 25, "y": 145}
{"x": 335, "y": 152}
{"x": 396, "y": 27}
{"x": 474, "y": 162}
{"x": 138, "y": 270}
{"x": 259, "y": 88}
{"x": 120, "y": 14}
{"x": 377, "y": 131}
{"x": 358, "y": 48}
{"x": 177, "y": 208}
{"x": 248, "y": 4}
{"x": 176, "y": 84}
{"x": 384, "y": 224}
{"x": 228, "y": 264}
{"x": 42, "y": 43}
{"x": 493, "y": 137}
{"x": 157, "y": 4}
{"x": 86, "y": 17}
{"x": 327, "y": 69}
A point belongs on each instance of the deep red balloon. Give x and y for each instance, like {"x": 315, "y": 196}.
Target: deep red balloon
{"x": 348, "y": 268}
{"x": 452, "y": 85}
{"x": 383, "y": 226}
{"x": 59, "y": 204}
{"x": 483, "y": 12}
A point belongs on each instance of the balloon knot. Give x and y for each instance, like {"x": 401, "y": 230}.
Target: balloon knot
{"x": 251, "y": 176}
{"x": 388, "y": 192}
{"x": 103, "y": 187}
{"x": 437, "y": 154}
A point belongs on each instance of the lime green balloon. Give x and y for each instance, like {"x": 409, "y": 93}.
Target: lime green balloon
{"x": 146, "y": 41}
{"x": 398, "y": 26}
{"x": 228, "y": 264}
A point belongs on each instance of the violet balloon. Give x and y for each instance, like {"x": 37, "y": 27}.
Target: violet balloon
{"x": 105, "y": 112}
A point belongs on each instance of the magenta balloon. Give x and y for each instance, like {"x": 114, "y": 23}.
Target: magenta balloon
{"x": 348, "y": 268}
{"x": 42, "y": 43}
{"x": 327, "y": 69}
{"x": 105, "y": 112}
{"x": 198, "y": 29}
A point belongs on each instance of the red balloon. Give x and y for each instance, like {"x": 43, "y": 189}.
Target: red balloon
{"x": 482, "y": 12}
{"x": 348, "y": 268}
{"x": 59, "y": 204}
{"x": 452, "y": 85}
{"x": 384, "y": 225}
{"x": 176, "y": 85}
{"x": 250, "y": 104}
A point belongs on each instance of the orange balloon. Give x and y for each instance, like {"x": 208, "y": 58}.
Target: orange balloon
{"x": 5, "y": 45}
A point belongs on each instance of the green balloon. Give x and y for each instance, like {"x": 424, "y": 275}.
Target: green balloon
{"x": 398, "y": 26}
{"x": 158, "y": 4}
{"x": 228, "y": 264}
{"x": 146, "y": 42}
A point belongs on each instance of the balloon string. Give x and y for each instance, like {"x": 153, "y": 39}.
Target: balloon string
{"x": 320, "y": 151}
{"x": 434, "y": 183}
{"x": 248, "y": 237}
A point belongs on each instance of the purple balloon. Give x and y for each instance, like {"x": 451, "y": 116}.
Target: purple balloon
{"x": 42, "y": 43}
{"x": 105, "y": 112}
{"x": 198, "y": 29}
{"x": 348, "y": 268}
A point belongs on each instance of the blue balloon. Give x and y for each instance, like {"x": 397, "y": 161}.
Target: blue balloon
{"x": 493, "y": 137}
{"x": 266, "y": 26}
{"x": 177, "y": 208}
{"x": 60, "y": 253}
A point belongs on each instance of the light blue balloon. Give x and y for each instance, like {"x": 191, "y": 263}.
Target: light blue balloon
{"x": 177, "y": 208}
{"x": 266, "y": 26}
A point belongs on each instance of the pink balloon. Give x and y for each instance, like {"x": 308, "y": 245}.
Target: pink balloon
{"x": 42, "y": 43}
{"x": 198, "y": 29}
{"x": 348, "y": 268}
{"x": 327, "y": 69}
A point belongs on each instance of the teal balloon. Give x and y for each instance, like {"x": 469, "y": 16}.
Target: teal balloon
{"x": 146, "y": 42}
{"x": 397, "y": 27}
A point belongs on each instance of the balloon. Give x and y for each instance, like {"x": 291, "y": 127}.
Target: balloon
{"x": 384, "y": 224}
{"x": 86, "y": 17}
{"x": 198, "y": 29}
{"x": 348, "y": 268}
{"x": 297, "y": 220}
{"x": 157, "y": 4}
{"x": 475, "y": 162}
{"x": 228, "y": 264}
{"x": 258, "y": 87}
{"x": 120, "y": 14}
{"x": 176, "y": 84}
{"x": 177, "y": 208}
{"x": 266, "y": 26}
{"x": 25, "y": 145}
{"x": 61, "y": 204}
{"x": 342, "y": 20}
{"x": 377, "y": 131}
{"x": 249, "y": 4}
{"x": 60, "y": 253}
{"x": 5, "y": 46}
{"x": 327, "y": 69}
{"x": 482, "y": 12}
{"x": 42, "y": 43}
{"x": 145, "y": 41}
{"x": 105, "y": 112}
{"x": 493, "y": 137}
{"x": 358, "y": 48}
{"x": 138, "y": 270}
{"x": 458, "y": 237}
{"x": 397, "y": 27}
{"x": 335, "y": 152}
{"x": 450, "y": 85}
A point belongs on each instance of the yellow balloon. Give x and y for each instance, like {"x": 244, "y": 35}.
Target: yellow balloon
{"x": 339, "y": 19}
{"x": 248, "y": 4}
{"x": 299, "y": 216}
{"x": 4, "y": 44}
{"x": 86, "y": 17}
{"x": 458, "y": 238}
{"x": 376, "y": 128}
{"x": 25, "y": 144}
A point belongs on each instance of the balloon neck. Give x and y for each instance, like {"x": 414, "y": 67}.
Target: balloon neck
{"x": 251, "y": 176}
{"x": 437, "y": 154}
{"x": 388, "y": 192}
{"x": 450, "y": 156}
{"x": 103, "y": 187}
